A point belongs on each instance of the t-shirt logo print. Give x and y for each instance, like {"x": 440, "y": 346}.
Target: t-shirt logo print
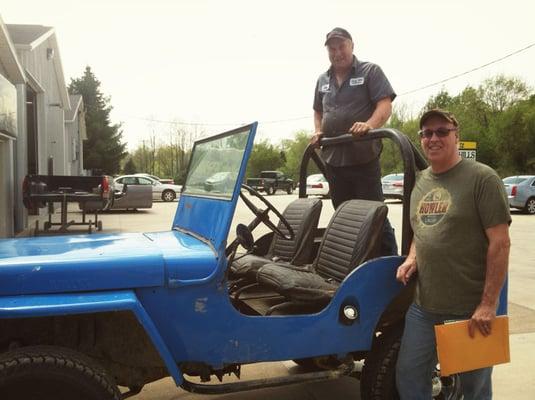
{"x": 433, "y": 206}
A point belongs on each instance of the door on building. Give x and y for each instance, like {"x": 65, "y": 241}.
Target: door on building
{"x": 33, "y": 138}
{"x": 3, "y": 193}
{"x": 31, "y": 123}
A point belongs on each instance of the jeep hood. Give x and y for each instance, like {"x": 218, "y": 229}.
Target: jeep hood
{"x": 98, "y": 262}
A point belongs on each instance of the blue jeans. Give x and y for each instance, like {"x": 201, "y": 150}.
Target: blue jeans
{"x": 363, "y": 182}
{"x": 417, "y": 359}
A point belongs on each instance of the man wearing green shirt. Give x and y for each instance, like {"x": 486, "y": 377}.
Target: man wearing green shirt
{"x": 460, "y": 251}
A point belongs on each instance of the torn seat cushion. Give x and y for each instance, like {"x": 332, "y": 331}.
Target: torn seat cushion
{"x": 248, "y": 265}
{"x": 297, "y": 283}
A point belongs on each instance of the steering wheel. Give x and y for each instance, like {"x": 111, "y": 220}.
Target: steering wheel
{"x": 262, "y": 215}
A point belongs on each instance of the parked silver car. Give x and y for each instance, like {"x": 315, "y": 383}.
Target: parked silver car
{"x": 162, "y": 180}
{"x": 393, "y": 186}
{"x": 220, "y": 182}
{"x": 521, "y": 192}
{"x": 160, "y": 191}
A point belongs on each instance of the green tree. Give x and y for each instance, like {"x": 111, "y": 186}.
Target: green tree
{"x": 264, "y": 157}
{"x": 403, "y": 121}
{"x": 103, "y": 149}
{"x": 498, "y": 115}
{"x": 130, "y": 166}
{"x": 293, "y": 151}
{"x": 441, "y": 100}
{"x": 501, "y": 92}
{"x": 515, "y": 138}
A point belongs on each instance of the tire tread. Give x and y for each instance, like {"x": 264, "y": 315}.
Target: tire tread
{"x": 13, "y": 362}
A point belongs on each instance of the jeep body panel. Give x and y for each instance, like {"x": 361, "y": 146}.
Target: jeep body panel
{"x": 63, "y": 304}
{"x": 51, "y": 264}
{"x": 101, "y": 262}
{"x": 217, "y": 334}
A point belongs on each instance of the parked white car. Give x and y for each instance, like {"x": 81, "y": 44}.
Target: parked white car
{"x": 317, "y": 185}
{"x": 393, "y": 186}
{"x": 160, "y": 191}
{"x": 162, "y": 180}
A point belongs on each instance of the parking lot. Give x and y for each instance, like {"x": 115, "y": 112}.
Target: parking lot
{"x": 511, "y": 381}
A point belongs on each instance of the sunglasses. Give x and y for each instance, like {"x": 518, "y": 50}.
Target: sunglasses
{"x": 440, "y": 132}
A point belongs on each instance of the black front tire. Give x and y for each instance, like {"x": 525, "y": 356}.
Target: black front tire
{"x": 270, "y": 190}
{"x": 378, "y": 379}
{"x": 53, "y": 373}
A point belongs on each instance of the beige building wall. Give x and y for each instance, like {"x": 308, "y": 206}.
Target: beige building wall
{"x": 51, "y": 113}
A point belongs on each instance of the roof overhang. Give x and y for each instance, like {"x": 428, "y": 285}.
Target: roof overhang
{"x": 27, "y": 38}
{"x": 8, "y": 57}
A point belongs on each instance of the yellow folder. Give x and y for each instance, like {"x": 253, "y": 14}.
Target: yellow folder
{"x": 458, "y": 352}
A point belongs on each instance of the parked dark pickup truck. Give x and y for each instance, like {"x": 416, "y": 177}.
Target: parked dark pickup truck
{"x": 271, "y": 181}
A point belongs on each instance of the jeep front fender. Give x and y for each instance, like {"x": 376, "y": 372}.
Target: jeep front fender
{"x": 83, "y": 303}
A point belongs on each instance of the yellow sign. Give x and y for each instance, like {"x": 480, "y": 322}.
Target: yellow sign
{"x": 467, "y": 145}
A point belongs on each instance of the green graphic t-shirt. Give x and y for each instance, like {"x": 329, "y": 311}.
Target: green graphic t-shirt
{"x": 449, "y": 215}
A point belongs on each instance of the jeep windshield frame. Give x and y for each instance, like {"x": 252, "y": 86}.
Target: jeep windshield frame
{"x": 205, "y": 207}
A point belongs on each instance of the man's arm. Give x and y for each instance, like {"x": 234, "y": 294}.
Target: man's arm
{"x": 409, "y": 266}
{"x": 383, "y": 110}
{"x": 496, "y": 270}
{"x": 318, "y": 118}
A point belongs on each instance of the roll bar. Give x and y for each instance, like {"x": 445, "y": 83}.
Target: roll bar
{"x": 412, "y": 161}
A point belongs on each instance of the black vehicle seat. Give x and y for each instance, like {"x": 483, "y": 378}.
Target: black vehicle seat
{"x": 303, "y": 216}
{"x": 352, "y": 237}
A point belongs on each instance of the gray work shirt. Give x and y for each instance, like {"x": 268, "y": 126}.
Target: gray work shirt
{"x": 353, "y": 101}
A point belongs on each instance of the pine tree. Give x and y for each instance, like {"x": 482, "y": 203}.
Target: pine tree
{"x": 103, "y": 149}
{"x": 130, "y": 167}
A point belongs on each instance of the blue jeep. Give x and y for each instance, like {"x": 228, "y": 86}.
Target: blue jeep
{"x": 82, "y": 315}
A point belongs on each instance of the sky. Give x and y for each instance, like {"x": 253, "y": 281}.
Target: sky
{"x": 220, "y": 64}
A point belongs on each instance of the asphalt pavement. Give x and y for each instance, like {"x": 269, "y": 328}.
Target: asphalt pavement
{"x": 515, "y": 381}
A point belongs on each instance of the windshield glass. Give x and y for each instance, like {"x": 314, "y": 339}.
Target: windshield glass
{"x": 215, "y": 164}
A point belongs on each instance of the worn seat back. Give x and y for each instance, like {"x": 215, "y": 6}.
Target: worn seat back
{"x": 351, "y": 238}
{"x": 303, "y": 216}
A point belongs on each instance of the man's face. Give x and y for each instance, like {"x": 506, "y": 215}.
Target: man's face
{"x": 440, "y": 151}
{"x": 340, "y": 53}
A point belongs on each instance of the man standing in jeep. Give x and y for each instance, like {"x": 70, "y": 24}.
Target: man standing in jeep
{"x": 352, "y": 96}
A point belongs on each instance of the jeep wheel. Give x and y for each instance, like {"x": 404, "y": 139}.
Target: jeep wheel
{"x": 53, "y": 373}
{"x": 378, "y": 379}
{"x": 270, "y": 190}
{"x": 289, "y": 189}
{"x": 168, "y": 195}
{"x": 529, "y": 208}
